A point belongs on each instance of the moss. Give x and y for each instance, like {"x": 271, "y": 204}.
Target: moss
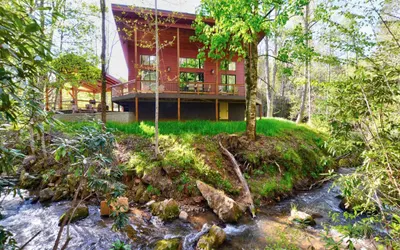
{"x": 168, "y": 244}
{"x": 165, "y": 210}
{"x": 79, "y": 214}
{"x": 214, "y": 238}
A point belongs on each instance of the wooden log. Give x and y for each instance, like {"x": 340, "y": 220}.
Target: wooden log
{"x": 246, "y": 191}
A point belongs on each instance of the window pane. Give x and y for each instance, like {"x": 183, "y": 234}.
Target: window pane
{"x": 152, "y": 60}
{"x": 144, "y": 60}
{"x": 223, "y": 80}
{"x": 152, "y": 75}
{"x": 232, "y": 66}
{"x": 231, "y": 79}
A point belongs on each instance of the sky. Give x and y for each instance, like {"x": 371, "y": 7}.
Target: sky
{"x": 118, "y": 66}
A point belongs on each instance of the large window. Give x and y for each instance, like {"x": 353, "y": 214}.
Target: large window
{"x": 225, "y": 65}
{"x": 148, "y": 75}
{"x": 191, "y": 63}
{"x": 186, "y": 77}
{"x": 147, "y": 60}
{"x": 228, "y": 79}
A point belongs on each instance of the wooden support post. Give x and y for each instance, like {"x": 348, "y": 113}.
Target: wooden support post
{"x": 261, "y": 110}
{"x": 178, "y": 55}
{"x": 137, "y": 108}
{"x": 60, "y": 107}
{"x": 47, "y": 98}
{"x": 136, "y": 64}
{"x": 216, "y": 110}
{"x": 119, "y": 108}
{"x": 179, "y": 109}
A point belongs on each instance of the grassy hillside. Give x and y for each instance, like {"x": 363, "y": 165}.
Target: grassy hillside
{"x": 284, "y": 156}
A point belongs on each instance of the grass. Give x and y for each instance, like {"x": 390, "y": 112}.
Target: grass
{"x": 268, "y": 127}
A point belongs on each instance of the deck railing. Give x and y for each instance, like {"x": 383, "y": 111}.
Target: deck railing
{"x": 199, "y": 88}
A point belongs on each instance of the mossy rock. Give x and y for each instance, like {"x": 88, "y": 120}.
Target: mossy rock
{"x": 46, "y": 194}
{"x": 130, "y": 232}
{"x": 81, "y": 212}
{"x": 301, "y": 217}
{"x": 168, "y": 244}
{"x": 61, "y": 193}
{"x": 165, "y": 210}
{"x": 212, "y": 240}
{"x": 27, "y": 181}
{"x": 139, "y": 192}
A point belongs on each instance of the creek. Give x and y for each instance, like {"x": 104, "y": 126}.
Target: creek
{"x": 270, "y": 228}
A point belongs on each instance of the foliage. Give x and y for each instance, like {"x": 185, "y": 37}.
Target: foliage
{"x": 6, "y": 239}
{"x": 120, "y": 245}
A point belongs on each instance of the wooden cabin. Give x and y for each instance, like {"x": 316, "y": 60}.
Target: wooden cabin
{"x": 189, "y": 88}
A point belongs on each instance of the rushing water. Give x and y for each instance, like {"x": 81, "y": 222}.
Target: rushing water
{"x": 24, "y": 220}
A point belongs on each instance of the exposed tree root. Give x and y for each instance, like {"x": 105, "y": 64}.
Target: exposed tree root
{"x": 246, "y": 191}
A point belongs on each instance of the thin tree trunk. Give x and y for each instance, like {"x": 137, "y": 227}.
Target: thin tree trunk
{"x": 267, "y": 79}
{"x": 274, "y": 71}
{"x": 31, "y": 138}
{"x": 103, "y": 62}
{"x": 251, "y": 90}
{"x": 306, "y": 69}
{"x": 157, "y": 85}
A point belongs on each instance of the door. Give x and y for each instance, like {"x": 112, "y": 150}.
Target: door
{"x": 223, "y": 111}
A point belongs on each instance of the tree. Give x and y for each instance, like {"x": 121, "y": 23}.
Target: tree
{"x": 103, "y": 61}
{"x": 236, "y": 31}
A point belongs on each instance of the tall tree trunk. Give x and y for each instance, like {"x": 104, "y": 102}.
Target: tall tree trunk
{"x": 274, "y": 71}
{"x": 157, "y": 85}
{"x": 267, "y": 79}
{"x": 103, "y": 61}
{"x": 306, "y": 68}
{"x": 251, "y": 89}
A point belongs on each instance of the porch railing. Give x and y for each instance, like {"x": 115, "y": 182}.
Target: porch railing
{"x": 199, "y": 88}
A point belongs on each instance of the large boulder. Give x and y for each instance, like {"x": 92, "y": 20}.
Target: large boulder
{"x": 301, "y": 217}
{"x": 226, "y": 208}
{"x": 121, "y": 205}
{"x": 80, "y": 213}
{"x": 212, "y": 240}
{"x": 165, "y": 210}
{"x": 46, "y": 194}
{"x": 168, "y": 244}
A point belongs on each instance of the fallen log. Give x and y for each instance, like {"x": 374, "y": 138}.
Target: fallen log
{"x": 246, "y": 191}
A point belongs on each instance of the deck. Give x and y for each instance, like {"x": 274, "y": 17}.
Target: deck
{"x": 198, "y": 90}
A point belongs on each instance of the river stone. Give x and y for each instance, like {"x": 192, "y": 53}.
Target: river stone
{"x": 130, "y": 232}
{"x": 46, "y": 194}
{"x": 168, "y": 244}
{"x": 212, "y": 240}
{"x": 301, "y": 217}
{"x": 183, "y": 215}
{"x": 226, "y": 208}
{"x": 165, "y": 210}
{"x": 81, "y": 212}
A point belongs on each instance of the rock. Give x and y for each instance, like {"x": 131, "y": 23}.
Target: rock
{"x": 168, "y": 244}
{"x": 226, "y": 208}
{"x": 146, "y": 196}
{"x": 212, "y": 240}
{"x": 60, "y": 194}
{"x": 148, "y": 204}
{"x": 183, "y": 215}
{"x": 28, "y": 161}
{"x": 301, "y": 217}
{"x": 46, "y": 194}
{"x": 139, "y": 192}
{"x": 158, "y": 179}
{"x": 165, "y": 210}
{"x": 104, "y": 209}
{"x": 71, "y": 181}
{"x": 140, "y": 214}
{"x": 121, "y": 205}
{"x": 130, "y": 232}
{"x": 80, "y": 213}
{"x": 35, "y": 199}
{"x": 27, "y": 181}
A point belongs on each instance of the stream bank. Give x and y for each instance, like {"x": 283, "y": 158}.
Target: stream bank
{"x": 270, "y": 229}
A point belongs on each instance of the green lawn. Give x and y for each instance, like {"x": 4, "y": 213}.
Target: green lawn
{"x": 269, "y": 127}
